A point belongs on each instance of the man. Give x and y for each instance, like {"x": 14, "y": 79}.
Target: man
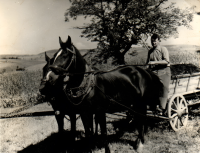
{"x": 158, "y": 61}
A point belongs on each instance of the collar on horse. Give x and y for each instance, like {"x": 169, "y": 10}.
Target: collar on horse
{"x": 77, "y": 94}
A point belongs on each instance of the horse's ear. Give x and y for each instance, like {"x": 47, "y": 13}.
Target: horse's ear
{"x": 69, "y": 41}
{"x": 61, "y": 43}
{"x": 47, "y": 57}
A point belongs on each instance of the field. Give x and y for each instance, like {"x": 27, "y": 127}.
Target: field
{"x": 38, "y": 134}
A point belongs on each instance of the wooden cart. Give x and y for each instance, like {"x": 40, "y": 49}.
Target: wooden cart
{"x": 182, "y": 88}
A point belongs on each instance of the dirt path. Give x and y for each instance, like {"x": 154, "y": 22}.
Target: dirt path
{"x": 18, "y": 133}
{"x": 39, "y": 135}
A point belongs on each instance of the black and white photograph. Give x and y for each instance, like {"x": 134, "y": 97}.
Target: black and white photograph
{"x": 99, "y": 76}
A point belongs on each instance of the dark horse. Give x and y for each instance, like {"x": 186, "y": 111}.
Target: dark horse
{"x": 77, "y": 89}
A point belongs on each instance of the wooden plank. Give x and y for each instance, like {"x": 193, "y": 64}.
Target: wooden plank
{"x": 188, "y": 84}
{"x": 179, "y": 89}
{"x": 185, "y": 75}
{"x": 185, "y": 93}
{"x": 176, "y": 84}
{"x": 196, "y": 103}
{"x": 183, "y": 82}
{"x": 192, "y": 95}
{"x": 192, "y": 87}
{"x": 182, "y": 91}
{"x": 158, "y": 117}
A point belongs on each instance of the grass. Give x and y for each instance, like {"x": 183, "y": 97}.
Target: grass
{"x": 19, "y": 88}
{"x": 177, "y": 57}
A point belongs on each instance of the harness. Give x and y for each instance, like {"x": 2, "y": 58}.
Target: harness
{"x": 76, "y": 95}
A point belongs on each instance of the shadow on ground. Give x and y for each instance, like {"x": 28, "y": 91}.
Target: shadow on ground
{"x": 56, "y": 143}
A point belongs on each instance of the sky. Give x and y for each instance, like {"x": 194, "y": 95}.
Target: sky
{"x": 34, "y": 26}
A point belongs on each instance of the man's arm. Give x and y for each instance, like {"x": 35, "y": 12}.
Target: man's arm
{"x": 165, "y": 58}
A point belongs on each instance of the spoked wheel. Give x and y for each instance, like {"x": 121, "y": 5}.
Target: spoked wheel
{"x": 178, "y": 112}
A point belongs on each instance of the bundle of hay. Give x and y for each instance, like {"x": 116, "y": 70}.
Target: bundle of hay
{"x": 180, "y": 69}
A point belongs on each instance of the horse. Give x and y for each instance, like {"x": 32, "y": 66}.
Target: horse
{"x": 56, "y": 97}
{"x": 97, "y": 92}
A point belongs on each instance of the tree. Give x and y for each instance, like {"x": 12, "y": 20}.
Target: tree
{"x": 118, "y": 24}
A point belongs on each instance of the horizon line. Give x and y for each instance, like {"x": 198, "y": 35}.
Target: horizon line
{"x": 94, "y": 48}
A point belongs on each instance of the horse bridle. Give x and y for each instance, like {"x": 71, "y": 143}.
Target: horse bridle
{"x": 72, "y": 59}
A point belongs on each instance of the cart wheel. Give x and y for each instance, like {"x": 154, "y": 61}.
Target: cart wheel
{"x": 178, "y": 112}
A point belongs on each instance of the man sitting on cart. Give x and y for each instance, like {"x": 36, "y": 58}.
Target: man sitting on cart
{"x": 158, "y": 62}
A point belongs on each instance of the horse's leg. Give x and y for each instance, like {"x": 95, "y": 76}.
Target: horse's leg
{"x": 87, "y": 120}
{"x": 60, "y": 120}
{"x": 141, "y": 129}
{"x": 73, "y": 132}
{"x": 101, "y": 119}
{"x": 73, "y": 125}
{"x": 91, "y": 124}
{"x": 96, "y": 119}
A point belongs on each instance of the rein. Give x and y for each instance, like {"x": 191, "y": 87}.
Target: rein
{"x": 98, "y": 71}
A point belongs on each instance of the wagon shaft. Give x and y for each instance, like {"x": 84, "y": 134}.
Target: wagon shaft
{"x": 31, "y": 114}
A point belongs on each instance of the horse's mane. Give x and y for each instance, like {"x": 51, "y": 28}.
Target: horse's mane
{"x": 77, "y": 51}
{"x": 75, "y": 47}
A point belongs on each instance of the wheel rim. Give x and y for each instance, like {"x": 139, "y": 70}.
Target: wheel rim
{"x": 178, "y": 112}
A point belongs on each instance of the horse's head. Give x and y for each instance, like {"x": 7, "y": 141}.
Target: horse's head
{"x": 67, "y": 58}
{"x": 46, "y": 84}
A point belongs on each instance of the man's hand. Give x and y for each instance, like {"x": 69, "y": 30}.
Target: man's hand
{"x": 163, "y": 62}
{"x": 152, "y": 63}
{"x": 146, "y": 67}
